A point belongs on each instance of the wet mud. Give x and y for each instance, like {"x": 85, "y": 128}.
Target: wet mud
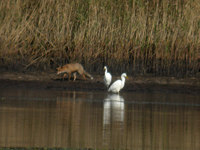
{"x": 41, "y": 80}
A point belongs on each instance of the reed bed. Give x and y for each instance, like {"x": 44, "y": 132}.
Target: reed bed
{"x": 136, "y": 36}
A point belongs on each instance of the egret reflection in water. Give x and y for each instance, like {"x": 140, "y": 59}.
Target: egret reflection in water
{"x": 94, "y": 119}
{"x": 113, "y": 109}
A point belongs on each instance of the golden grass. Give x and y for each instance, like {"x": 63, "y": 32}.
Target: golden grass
{"x": 139, "y": 37}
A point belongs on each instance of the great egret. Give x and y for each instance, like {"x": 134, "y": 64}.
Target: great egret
{"x": 107, "y": 77}
{"x": 118, "y": 85}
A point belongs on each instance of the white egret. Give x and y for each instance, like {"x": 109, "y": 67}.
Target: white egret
{"x": 107, "y": 77}
{"x": 118, "y": 85}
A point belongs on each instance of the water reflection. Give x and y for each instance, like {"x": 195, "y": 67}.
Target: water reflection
{"x": 113, "y": 117}
{"x": 99, "y": 121}
{"x": 113, "y": 109}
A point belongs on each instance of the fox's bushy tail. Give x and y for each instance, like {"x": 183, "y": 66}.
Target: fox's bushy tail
{"x": 88, "y": 75}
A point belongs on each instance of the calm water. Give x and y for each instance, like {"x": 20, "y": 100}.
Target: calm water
{"x": 98, "y": 120}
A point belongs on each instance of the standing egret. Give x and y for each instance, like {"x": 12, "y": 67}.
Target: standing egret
{"x": 118, "y": 85}
{"x": 107, "y": 77}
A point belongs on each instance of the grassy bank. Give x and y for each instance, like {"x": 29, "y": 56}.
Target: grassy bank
{"x": 136, "y": 36}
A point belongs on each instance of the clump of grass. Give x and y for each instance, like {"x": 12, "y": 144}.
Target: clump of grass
{"x": 138, "y": 37}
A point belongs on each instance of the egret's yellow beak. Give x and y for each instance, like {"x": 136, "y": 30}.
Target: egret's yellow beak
{"x": 126, "y": 77}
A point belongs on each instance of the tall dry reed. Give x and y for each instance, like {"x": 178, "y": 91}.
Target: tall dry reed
{"x": 136, "y": 36}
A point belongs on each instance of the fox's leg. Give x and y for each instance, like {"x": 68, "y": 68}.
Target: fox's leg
{"x": 69, "y": 76}
{"x": 84, "y": 76}
{"x": 74, "y": 74}
{"x": 81, "y": 72}
{"x": 64, "y": 76}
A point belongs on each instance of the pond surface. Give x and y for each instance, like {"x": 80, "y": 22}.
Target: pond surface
{"x": 99, "y": 120}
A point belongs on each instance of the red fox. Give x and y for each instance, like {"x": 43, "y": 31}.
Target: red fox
{"x": 73, "y": 68}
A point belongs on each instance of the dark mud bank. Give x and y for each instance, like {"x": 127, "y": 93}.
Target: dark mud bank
{"x": 133, "y": 84}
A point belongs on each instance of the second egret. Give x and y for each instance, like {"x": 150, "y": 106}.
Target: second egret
{"x": 118, "y": 85}
{"x": 107, "y": 77}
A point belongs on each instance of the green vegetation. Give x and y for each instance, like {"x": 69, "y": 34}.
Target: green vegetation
{"x": 136, "y": 36}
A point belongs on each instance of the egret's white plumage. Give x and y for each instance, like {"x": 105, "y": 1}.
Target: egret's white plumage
{"x": 107, "y": 77}
{"x": 118, "y": 85}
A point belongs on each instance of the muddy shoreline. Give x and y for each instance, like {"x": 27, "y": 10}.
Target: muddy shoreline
{"x": 50, "y": 81}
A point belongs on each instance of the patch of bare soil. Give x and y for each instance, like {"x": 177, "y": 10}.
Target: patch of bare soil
{"x": 42, "y": 80}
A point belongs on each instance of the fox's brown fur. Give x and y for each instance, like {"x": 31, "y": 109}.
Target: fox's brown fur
{"x": 73, "y": 68}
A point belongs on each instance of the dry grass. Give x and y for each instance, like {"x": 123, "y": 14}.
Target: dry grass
{"x": 139, "y": 37}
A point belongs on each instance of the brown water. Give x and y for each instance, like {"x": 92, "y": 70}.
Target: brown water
{"x": 98, "y": 120}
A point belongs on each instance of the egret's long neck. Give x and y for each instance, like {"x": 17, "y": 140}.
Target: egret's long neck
{"x": 123, "y": 79}
{"x": 123, "y": 82}
{"x": 105, "y": 71}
